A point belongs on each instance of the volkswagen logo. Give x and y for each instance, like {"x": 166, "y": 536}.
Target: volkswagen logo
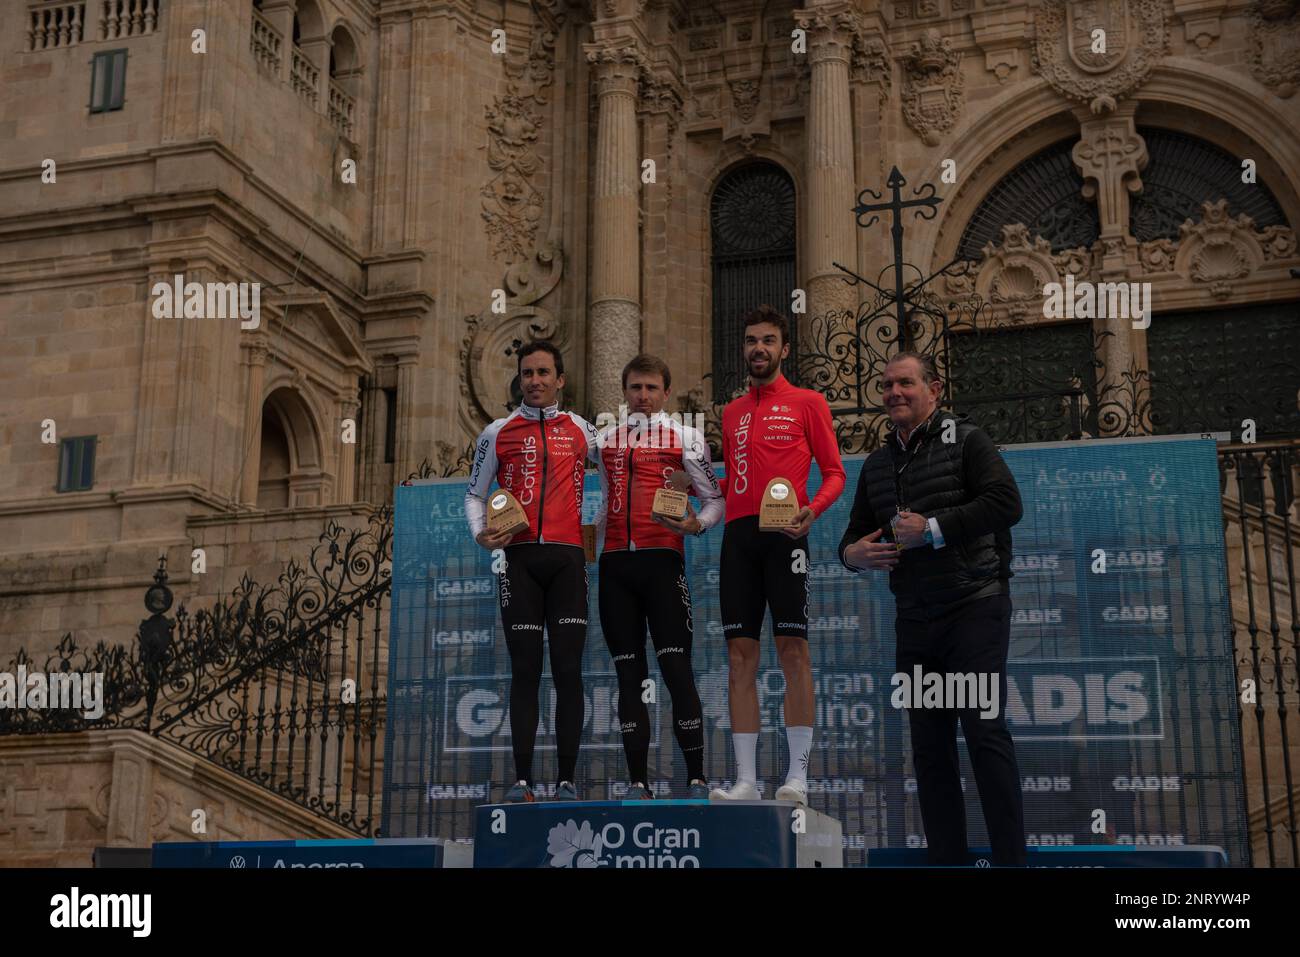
{"x": 237, "y": 862}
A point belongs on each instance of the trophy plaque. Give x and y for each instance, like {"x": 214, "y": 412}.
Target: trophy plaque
{"x": 505, "y": 514}
{"x": 671, "y": 502}
{"x": 779, "y": 505}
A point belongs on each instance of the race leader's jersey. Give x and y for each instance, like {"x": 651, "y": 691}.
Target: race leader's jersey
{"x": 778, "y": 429}
{"x": 538, "y": 456}
{"x": 636, "y": 460}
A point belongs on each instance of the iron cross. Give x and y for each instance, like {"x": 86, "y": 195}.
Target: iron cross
{"x": 926, "y": 205}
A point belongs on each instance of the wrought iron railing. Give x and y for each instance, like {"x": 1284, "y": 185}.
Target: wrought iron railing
{"x": 281, "y": 684}
{"x": 1259, "y": 501}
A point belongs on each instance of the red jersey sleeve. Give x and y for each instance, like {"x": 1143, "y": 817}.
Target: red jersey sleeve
{"x": 826, "y": 450}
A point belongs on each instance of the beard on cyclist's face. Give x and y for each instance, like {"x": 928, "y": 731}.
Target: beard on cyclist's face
{"x": 764, "y": 350}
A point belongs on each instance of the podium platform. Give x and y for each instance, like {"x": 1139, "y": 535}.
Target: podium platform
{"x": 655, "y": 834}
{"x": 344, "y": 853}
{"x": 1083, "y": 855}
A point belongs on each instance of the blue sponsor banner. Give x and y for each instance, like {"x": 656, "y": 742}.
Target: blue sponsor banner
{"x": 1120, "y": 684}
{"x": 634, "y": 834}
{"x": 1091, "y": 856}
{"x": 271, "y": 855}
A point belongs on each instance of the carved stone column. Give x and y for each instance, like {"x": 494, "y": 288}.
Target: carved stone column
{"x": 256, "y": 352}
{"x": 1111, "y": 155}
{"x": 345, "y": 487}
{"x": 614, "y": 316}
{"x": 404, "y": 453}
{"x": 831, "y": 193}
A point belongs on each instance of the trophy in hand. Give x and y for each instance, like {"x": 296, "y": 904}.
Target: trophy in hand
{"x": 671, "y": 502}
{"x": 505, "y": 514}
{"x": 779, "y": 505}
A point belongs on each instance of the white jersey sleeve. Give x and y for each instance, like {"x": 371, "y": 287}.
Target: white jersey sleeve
{"x": 481, "y": 476}
{"x": 695, "y": 458}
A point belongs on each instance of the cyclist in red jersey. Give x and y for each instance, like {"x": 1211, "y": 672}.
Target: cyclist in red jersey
{"x": 642, "y": 567}
{"x": 776, "y": 429}
{"x": 539, "y": 454}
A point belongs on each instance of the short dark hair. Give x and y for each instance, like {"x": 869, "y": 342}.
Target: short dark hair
{"x": 541, "y": 345}
{"x": 929, "y": 371}
{"x": 648, "y": 364}
{"x": 766, "y": 313}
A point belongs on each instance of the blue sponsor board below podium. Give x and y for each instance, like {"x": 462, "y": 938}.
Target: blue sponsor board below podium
{"x": 1099, "y": 855}
{"x": 345, "y": 853}
{"x": 655, "y": 834}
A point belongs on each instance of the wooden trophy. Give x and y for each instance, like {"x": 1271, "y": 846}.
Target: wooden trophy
{"x": 505, "y": 514}
{"x": 779, "y": 505}
{"x": 589, "y": 542}
{"x": 671, "y": 502}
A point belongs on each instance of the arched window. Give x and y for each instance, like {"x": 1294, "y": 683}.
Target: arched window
{"x": 274, "y": 465}
{"x": 289, "y": 468}
{"x": 1044, "y": 193}
{"x": 752, "y": 222}
{"x": 1183, "y": 173}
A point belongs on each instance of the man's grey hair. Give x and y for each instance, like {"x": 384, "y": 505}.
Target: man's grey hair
{"x": 929, "y": 371}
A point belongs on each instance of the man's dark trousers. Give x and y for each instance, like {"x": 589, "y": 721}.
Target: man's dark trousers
{"x": 970, "y": 638}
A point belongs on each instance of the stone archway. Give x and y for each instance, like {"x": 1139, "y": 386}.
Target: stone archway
{"x": 290, "y": 467}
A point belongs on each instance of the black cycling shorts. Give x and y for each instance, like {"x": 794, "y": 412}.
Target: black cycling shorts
{"x": 763, "y": 569}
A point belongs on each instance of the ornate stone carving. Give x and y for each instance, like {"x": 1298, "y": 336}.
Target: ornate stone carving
{"x": 1013, "y": 274}
{"x": 871, "y": 63}
{"x": 1278, "y": 242}
{"x": 1065, "y": 52}
{"x": 744, "y": 98}
{"x": 511, "y": 203}
{"x": 1275, "y": 45}
{"x": 1218, "y": 249}
{"x": 1079, "y": 262}
{"x": 660, "y": 96}
{"x": 613, "y": 337}
{"x": 830, "y": 32}
{"x": 704, "y": 104}
{"x": 932, "y": 87}
{"x": 1111, "y": 156}
{"x": 1157, "y": 255}
{"x": 486, "y": 351}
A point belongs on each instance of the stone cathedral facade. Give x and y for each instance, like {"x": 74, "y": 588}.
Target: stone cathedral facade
{"x": 419, "y": 186}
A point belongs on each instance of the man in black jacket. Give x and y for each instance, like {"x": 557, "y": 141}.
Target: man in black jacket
{"x": 934, "y": 507}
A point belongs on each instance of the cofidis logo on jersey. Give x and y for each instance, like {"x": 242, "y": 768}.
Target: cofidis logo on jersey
{"x": 740, "y": 455}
